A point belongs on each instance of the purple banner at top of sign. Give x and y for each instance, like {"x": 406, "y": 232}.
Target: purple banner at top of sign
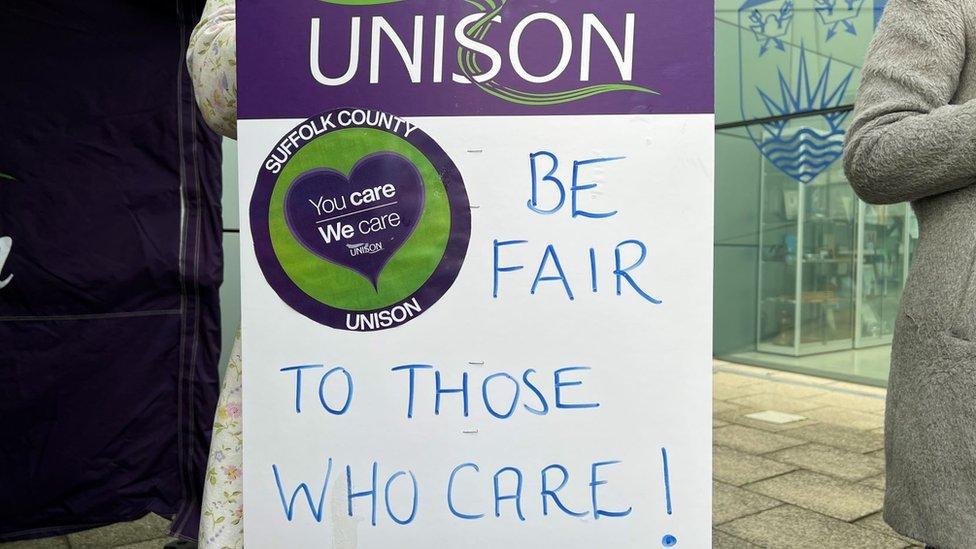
{"x": 474, "y": 57}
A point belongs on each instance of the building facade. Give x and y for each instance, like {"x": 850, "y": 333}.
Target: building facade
{"x": 807, "y": 276}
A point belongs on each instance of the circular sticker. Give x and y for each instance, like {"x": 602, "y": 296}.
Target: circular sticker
{"x": 360, "y": 220}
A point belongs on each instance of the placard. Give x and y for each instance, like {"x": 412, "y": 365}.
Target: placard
{"x": 477, "y": 249}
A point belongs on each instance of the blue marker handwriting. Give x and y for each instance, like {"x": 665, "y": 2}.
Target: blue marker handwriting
{"x": 501, "y": 394}
{"x": 549, "y": 162}
{"x": 548, "y": 196}
{"x": 550, "y": 275}
{"x": 467, "y": 492}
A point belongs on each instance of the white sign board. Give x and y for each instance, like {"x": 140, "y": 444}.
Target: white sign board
{"x": 476, "y": 306}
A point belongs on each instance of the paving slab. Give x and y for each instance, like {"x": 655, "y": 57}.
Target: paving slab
{"x": 852, "y": 440}
{"x": 790, "y": 389}
{"x": 733, "y": 379}
{"x": 854, "y": 419}
{"x": 726, "y": 391}
{"x": 858, "y": 388}
{"x": 789, "y": 527}
{"x": 864, "y": 403}
{"x": 158, "y": 543}
{"x": 780, "y": 375}
{"x": 738, "y": 468}
{"x": 751, "y": 441}
{"x": 833, "y": 497}
{"x": 151, "y": 526}
{"x": 830, "y": 461}
{"x": 720, "y": 407}
{"x": 740, "y": 415}
{"x": 729, "y": 412}
{"x": 767, "y": 374}
{"x": 877, "y": 482}
{"x": 780, "y": 403}
{"x": 876, "y": 522}
{"x": 721, "y": 540}
{"x": 57, "y": 542}
{"x": 730, "y": 502}
{"x": 774, "y": 417}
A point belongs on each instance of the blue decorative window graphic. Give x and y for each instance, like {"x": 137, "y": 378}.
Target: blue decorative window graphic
{"x": 780, "y": 79}
{"x": 836, "y": 16}
{"x": 802, "y": 151}
{"x": 770, "y": 28}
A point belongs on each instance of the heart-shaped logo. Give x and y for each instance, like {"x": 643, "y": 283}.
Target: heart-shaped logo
{"x": 360, "y": 221}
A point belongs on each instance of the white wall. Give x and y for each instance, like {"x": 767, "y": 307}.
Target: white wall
{"x": 230, "y": 292}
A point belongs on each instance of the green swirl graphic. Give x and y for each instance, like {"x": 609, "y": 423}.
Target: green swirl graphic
{"x": 468, "y": 63}
{"x": 5, "y": 176}
{"x": 359, "y": 2}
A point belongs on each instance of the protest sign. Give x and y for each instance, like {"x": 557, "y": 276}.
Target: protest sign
{"x": 476, "y": 272}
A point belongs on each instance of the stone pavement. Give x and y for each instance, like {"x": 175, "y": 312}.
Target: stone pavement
{"x": 798, "y": 462}
{"x": 148, "y": 532}
{"x": 806, "y": 472}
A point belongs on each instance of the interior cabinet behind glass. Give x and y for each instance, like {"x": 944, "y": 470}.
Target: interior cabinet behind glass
{"x": 808, "y": 253}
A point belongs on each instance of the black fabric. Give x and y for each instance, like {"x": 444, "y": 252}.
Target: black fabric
{"x": 109, "y": 320}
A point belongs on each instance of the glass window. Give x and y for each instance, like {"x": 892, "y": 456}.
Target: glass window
{"x": 807, "y": 277}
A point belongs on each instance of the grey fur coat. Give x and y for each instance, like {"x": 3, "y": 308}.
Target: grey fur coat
{"x": 913, "y": 137}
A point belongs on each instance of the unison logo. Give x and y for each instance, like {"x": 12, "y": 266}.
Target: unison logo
{"x": 499, "y": 54}
{"x": 360, "y": 220}
{"x": 364, "y": 248}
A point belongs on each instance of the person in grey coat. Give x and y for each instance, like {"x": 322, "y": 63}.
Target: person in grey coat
{"x": 913, "y": 138}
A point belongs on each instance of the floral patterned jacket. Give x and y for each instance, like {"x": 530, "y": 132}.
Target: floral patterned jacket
{"x": 212, "y": 61}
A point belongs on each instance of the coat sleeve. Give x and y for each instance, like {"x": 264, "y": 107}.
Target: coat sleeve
{"x": 906, "y": 140}
{"x": 212, "y": 60}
